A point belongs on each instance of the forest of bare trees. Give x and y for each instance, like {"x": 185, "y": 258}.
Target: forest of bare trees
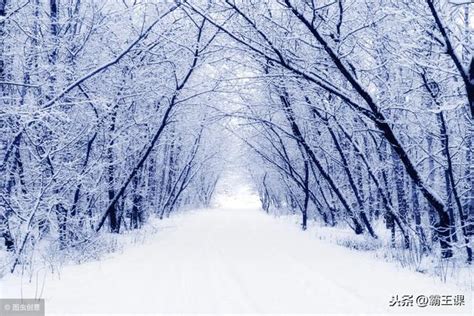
{"x": 103, "y": 123}
{"x": 364, "y": 112}
{"x": 353, "y": 113}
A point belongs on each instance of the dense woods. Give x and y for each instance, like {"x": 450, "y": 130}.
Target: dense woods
{"x": 102, "y": 119}
{"x": 352, "y": 112}
{"x": 364, "y": 113}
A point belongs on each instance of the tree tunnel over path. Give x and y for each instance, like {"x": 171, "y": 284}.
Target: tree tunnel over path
{"x": 350, "y": 114}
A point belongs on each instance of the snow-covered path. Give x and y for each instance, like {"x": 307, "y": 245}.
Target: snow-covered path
{"x": 232, "y": 259}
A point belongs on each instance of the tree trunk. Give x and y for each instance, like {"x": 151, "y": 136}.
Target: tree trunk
{"x": 299, "y": 137}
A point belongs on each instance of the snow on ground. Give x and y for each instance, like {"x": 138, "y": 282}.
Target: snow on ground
{"x": 232, "y": 259}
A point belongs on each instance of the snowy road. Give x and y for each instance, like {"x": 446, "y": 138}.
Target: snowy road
{"x": 232, "y": 260}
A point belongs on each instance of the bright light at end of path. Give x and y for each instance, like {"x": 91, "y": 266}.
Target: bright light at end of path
{"x": 234, "y": 191}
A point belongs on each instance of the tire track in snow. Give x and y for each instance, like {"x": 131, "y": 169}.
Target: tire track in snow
{"x": 224, "y": 269}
